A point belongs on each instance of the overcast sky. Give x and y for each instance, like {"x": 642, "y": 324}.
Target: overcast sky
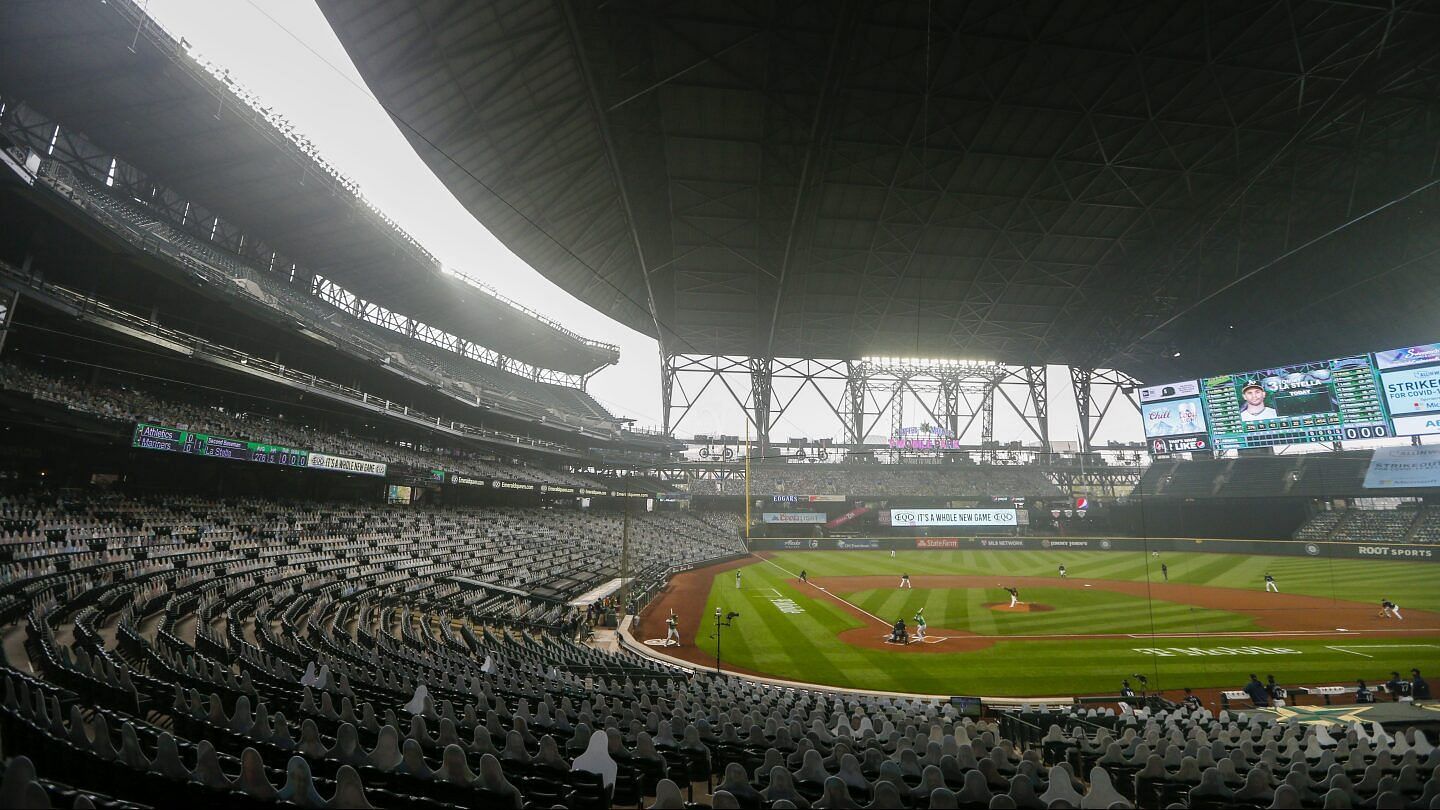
{"x": 284, "y": 51}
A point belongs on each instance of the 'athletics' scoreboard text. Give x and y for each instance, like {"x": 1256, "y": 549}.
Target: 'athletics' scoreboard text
{"x": 175, "y": 440}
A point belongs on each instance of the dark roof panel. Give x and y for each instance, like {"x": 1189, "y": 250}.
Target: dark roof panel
{"x": 1054, "y": 180}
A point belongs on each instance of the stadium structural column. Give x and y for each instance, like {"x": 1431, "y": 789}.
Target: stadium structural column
{"x": 1036, "y": 378}
{"x": 667, "y": 389}
{"x": 950, "y": 406}
{"x": 761, "y": 379}
{"x": 1080, "y": 386}
{"x": 989, "y": 452}
{"x": 856, "y": 380}
{"x": 1097, "y": 391}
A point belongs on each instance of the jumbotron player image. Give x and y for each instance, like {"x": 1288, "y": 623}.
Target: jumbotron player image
{"x": 1255, "y": 409}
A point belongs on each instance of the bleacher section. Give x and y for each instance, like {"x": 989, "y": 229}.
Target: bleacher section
{"x": 201, "y": 652}
{"x": 1320, "y": 526}
{"x": 1427, "y": 526}
{"x": 1312, "y": 475}
{"x": 1375, "y": 525}
{"x": 1407, "y": 525}
{"x": 131, "y": 405}
{"x": 469, "y": 379}
{"x": 1259, "y": 477}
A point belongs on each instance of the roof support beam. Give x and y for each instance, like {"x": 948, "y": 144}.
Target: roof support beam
{"x": 572, "y": 27}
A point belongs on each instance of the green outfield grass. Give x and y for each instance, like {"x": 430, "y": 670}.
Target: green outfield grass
{"x": 770, "y": 637}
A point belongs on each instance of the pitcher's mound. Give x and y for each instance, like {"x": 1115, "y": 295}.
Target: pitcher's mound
{"x": 1023, "y": 607}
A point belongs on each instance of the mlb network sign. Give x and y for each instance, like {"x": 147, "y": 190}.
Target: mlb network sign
{"x": 952, "y": 517}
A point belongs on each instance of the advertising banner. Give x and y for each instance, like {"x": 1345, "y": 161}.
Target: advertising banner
{"x": 793, "y": 517}
{"x": 1413, "y": 397}
{"x": 1185, "y": 444}
{"x": 952, "y": 517}
{"x": 516, "y": 486}
{"x": 937, "y": 542}
{"x": 321, "y": 461}
{"x": 1155, "y": 393}
{"x": 1404, "y": 468}
{"x": 1174, "y": 418}
{"x": 847, "y": 517}
{"x": 1408, "y": 356}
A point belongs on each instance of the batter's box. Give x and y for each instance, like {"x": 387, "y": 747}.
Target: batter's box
{"x": 913, "y": 640}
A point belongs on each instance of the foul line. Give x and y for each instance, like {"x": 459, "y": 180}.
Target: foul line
{"x": 1351, "y": 648}
{"x": 829, "y": 594}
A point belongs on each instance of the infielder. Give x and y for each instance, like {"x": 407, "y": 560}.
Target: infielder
{"x": 1014, "y": 596}
{"x": 673, "y": 632}
{"x": 1270, "y": 584}
{"x": 920, "y": 624}
{"x": 1062, "y": 570}
{"x": 1388, "y": 608}
{"x": 905, "y": 581}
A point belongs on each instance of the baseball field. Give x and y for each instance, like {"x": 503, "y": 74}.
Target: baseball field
{"x": 1115, "y": 615}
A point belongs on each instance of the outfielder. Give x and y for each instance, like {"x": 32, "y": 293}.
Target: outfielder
{"x": 920, "y": 624}
{"x": 673, "y": 632}
{"x": 892, "y": 553}
{"x": 1014, "y": 596}
{"x": 737, "y": 580}
{"x": 1270, "y": 585}
{"x": 905, "y": 581}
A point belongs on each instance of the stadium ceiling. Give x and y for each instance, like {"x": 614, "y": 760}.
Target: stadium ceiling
{"x": 1104, "y": 184}
{"x": 106, "y": 70}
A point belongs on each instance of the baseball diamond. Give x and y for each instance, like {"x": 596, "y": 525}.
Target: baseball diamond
{"x": 1067, "y": 636}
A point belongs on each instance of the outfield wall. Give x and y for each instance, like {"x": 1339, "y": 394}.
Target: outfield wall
{"x": 1283, "y": 548}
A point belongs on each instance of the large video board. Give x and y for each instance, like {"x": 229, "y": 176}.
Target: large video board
{"x": 1366, "y": 396}
{"x": 1326, "y": 401}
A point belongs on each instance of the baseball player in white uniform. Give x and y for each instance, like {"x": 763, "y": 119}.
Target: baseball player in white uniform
{"x": 1014, "y": 596}
{"x": 905, "y": 581}
{"x": 737, "y": 580}
{"x": 1270, "y": 585}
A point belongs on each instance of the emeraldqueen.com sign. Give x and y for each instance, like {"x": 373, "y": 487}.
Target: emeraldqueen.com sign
{"x": 952, "y": 517}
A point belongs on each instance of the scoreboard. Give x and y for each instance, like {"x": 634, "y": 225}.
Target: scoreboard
{"x": 175, "y": 440}
{"x": 1327, "y": 401}
{"x": 1364, "y": 396}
